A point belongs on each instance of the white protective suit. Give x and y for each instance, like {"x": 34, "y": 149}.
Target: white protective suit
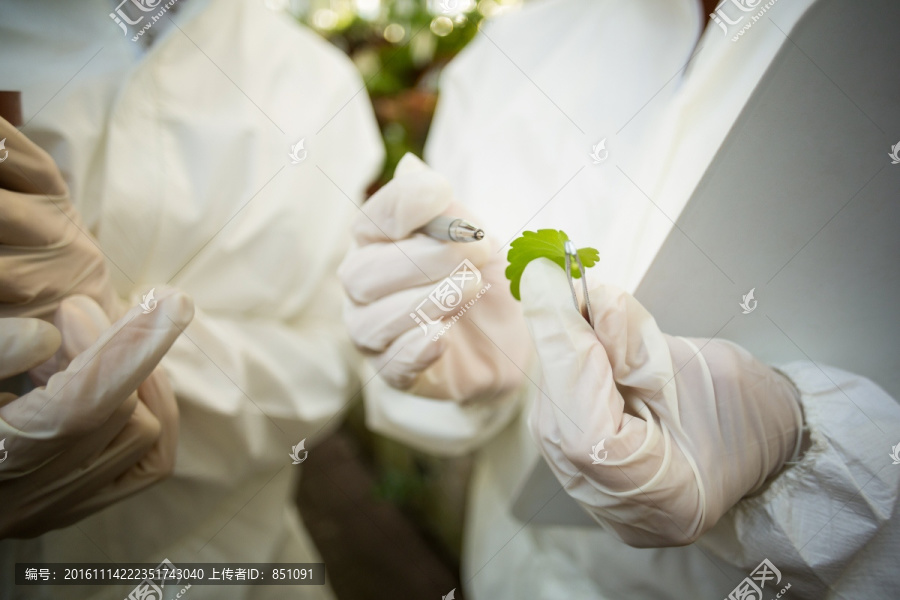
{"x": 178, "y": 159}
{"x": 521, "y": 110}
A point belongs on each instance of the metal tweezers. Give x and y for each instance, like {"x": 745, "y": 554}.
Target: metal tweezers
{"x": 571, "y": 253}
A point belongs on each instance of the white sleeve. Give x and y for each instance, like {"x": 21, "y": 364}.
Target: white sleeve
{"x": 266, "y": 361}
{"x": 441, "y": 427}
{"x": 250, "y": 389}
{"x": 826, "y": 522}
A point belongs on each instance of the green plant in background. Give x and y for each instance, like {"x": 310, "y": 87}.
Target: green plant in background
{"x": 399, "y": 47}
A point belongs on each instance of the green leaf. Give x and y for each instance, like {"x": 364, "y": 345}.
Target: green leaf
{"x": 543, "y": 243}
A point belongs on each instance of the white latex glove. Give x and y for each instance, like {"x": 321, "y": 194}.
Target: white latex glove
{"x": 690, "y": 426}
{"x": 102, "y": 429}
{"x": 391, "y": 270}
{"x": 46, "y": 252}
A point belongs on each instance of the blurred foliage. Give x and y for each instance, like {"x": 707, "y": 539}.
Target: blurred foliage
{"x": 400, "y": 48}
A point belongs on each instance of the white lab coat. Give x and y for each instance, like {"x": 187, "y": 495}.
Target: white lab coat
{"x": 179, "y": 160}
{"x": 516, "y": 150}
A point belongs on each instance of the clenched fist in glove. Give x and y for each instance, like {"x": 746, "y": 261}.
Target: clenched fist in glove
{"x": 688, "y": 426}
{"x": 393, "y": 269}
{"x": 46, "y": 252}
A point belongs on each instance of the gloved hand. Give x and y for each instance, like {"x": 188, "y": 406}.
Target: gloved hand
{"x": 389, "y": 276}
{"x": 87, "y": 439}
{"x": 46, "y": 252}
{"x": 688, "y": 426}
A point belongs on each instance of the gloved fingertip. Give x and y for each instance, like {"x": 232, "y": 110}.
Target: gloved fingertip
{"x": 45, "y": 337}
{"x": 177, "y": 306}
{"x": 83, "y": 320}
{"x": 38, "y": 342}
{"x": 544, "y": 285}
{"x": 83, "y": 306}
{"x": 26, "y": 343}
{"x": 409, "y": 164}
